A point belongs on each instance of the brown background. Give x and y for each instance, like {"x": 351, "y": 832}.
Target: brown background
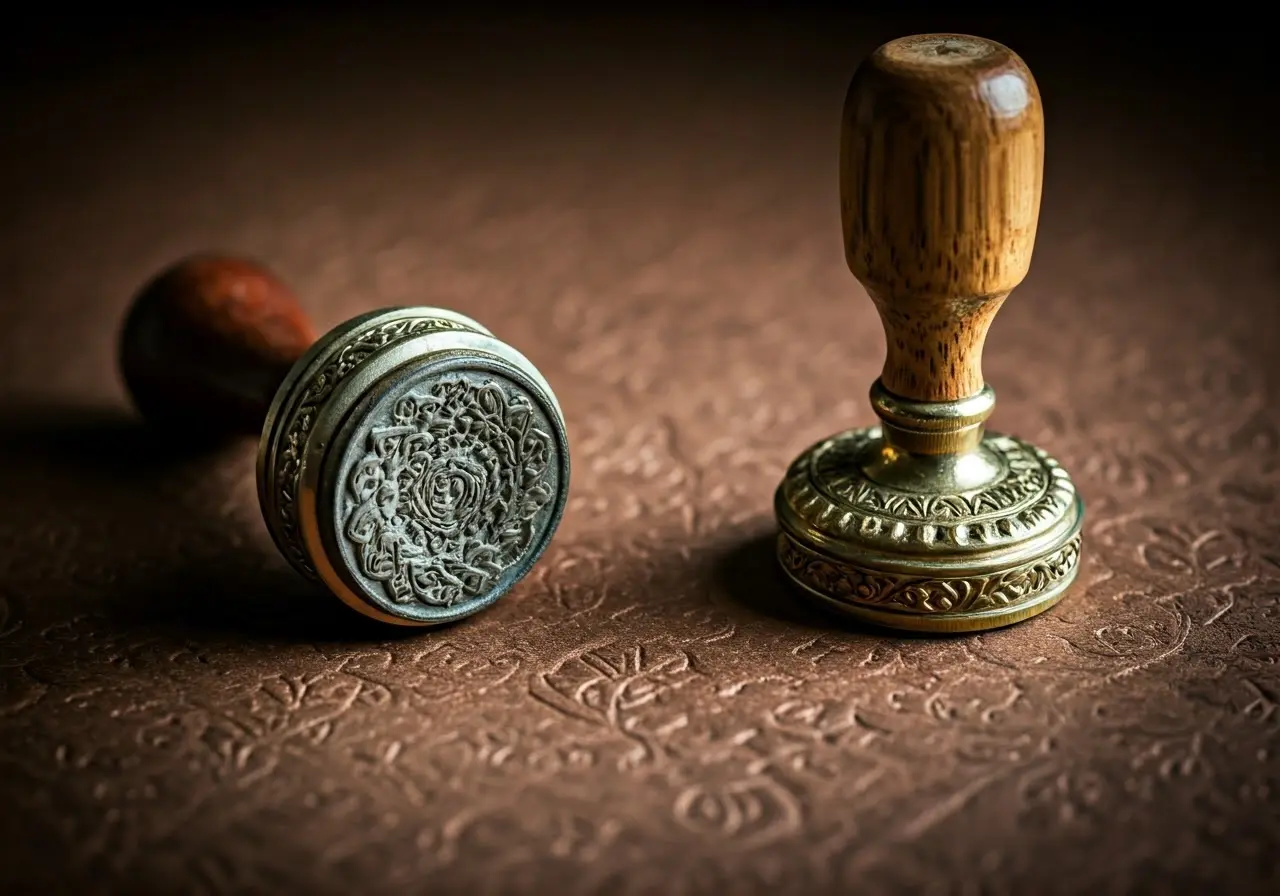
{"x": 646, "y": 207}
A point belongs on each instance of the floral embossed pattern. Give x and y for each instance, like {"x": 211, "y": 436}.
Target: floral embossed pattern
{"x": 824, "y": 489}
{"x": 448, "y": 495}
{"x": 651, "y": 216}
{"x": 846, "y": 583}
{"x": 1027, "y": 477}
{"x": 301, "y": 415}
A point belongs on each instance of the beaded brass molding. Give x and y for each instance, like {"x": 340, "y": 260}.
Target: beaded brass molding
{"x": 827, "y": 493}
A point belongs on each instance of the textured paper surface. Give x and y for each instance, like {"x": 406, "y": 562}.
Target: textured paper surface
{"x": 649, "y": 214}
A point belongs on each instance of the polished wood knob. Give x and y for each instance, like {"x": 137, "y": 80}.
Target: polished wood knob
{"x": 208, "y": 341}
{"x": 941, "y": 162}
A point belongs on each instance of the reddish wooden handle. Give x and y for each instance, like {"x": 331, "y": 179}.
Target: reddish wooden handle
{"x": 208, "y": 341}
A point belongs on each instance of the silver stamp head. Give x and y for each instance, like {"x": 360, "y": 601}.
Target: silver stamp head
{"x": 434, "y": 473}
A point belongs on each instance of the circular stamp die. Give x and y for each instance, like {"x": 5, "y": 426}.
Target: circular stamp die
{"x": 418, "y": 518}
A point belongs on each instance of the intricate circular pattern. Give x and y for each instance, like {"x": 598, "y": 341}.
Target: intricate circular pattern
{"x": 445, "y": 492}
{"x": 827, "y": 491}
{"x": 286, "y": 440}
{"x": 413, "y": 464}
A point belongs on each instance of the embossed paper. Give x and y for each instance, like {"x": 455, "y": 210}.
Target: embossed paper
{"x": 651, "y": 216}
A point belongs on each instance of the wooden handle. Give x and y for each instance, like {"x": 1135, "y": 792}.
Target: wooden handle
{"x": 208, "y": 341}
{"x": 941, "y": 162}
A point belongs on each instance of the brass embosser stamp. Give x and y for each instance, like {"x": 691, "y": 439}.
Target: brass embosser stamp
{"x": 928, "y": 522}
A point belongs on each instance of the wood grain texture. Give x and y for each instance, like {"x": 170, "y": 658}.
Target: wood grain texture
{"x": 941, "y": 164}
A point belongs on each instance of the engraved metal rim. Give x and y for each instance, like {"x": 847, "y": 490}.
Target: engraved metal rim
{"x": 987, "y": 562}
{"x": 1057, "y": 511}
{"x": 287, "y": 394}
{"x": 935, "y": 578}
{"x": 283, "y": 414}
{"x": 942, "y": 623}
{"x": 445, "y": 350}
{"x": 991, "y": 560}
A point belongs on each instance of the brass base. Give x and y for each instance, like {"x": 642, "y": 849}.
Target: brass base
{"x": 925, "y": 543}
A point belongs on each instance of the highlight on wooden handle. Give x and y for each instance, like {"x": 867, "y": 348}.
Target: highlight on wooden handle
{"x": 208, "y": 341}
{"x": 941, "y": 164}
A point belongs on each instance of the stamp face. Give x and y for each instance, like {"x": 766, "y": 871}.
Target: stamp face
{"x": 448, "y": 489}
{"x": 338, "y": 358}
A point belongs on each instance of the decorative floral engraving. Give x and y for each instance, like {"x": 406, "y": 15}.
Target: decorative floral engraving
{"x": 850, "y": 584}
{"x": 445, "y": 499}
{"x": 753, "y": 811}
{"x": 1027, "y": 478}
{"x": 826, "y": 489}
{"x": 288, "y": 459}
